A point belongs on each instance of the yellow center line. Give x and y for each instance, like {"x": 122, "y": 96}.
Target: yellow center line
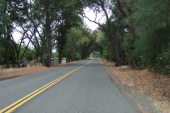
{"x": 28, "y": 97}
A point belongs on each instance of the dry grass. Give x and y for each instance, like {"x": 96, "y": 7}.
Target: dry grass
{"x": 12, "y": 72}
{"x": 158, "y": 88}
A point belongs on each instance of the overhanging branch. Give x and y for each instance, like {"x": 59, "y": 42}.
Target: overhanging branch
{"x": 93, "y": 21}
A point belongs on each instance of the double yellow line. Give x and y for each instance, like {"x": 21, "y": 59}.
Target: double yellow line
{"x": 28, "y": 97}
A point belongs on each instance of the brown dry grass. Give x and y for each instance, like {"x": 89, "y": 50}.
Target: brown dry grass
{"x": 158, "y": 88}
{"x": 13, "y": 72}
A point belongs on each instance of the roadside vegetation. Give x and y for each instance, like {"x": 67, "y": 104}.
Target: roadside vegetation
{"x": 137, "y": 33}
{"x": 133, "y": 34}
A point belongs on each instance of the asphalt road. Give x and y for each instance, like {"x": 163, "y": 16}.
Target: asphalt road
{"x": 88, "y": 90}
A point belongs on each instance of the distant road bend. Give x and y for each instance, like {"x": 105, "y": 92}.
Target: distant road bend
{"x": 82, "y": 87}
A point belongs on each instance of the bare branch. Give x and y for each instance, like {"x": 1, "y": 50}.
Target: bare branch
{"x": 93, "y": 21}
{"x": 104, "y": 10}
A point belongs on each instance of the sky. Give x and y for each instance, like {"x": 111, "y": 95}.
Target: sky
{"x": 90, "y": 25}
{"x": 91, "y": 16}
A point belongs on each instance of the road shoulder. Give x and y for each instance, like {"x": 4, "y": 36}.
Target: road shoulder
{"x": 134, "y": 95}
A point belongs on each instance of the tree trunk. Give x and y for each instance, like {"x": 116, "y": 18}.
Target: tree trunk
{"x": 7, "y": 56}
{"x": 48, "y": 35}
{"x": 68, "y": 59}
{"x": 7, "y": 52}
{"x": 114, "y": 41}
{"x": 132, "y": 33}
{"x": 60, "y": 56}
{"x": 116, "y": 53}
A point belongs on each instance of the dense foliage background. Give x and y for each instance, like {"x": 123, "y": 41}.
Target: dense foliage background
{"x": 135, "y": 33}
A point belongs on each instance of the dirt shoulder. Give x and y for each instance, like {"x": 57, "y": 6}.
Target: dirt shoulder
{"x": 15, "y": 72}
{"x": 142, "y": 84}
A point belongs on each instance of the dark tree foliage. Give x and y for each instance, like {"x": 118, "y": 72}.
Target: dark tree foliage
{"x": 136, "y": 32}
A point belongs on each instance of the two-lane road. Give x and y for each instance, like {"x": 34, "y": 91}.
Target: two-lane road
{"x": 81, "y": 88}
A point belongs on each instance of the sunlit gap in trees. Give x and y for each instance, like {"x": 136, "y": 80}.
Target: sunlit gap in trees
{"x": 94, "y": 54}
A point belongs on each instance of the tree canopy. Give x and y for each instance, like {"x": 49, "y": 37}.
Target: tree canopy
{"x": 136, "y": 32}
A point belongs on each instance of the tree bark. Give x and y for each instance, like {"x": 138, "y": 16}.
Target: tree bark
{"x": 7, "y": 56}
{"x": 48, "y": 35}
{"x": 7, "y": 52}
{"x": 60, "y": 56}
